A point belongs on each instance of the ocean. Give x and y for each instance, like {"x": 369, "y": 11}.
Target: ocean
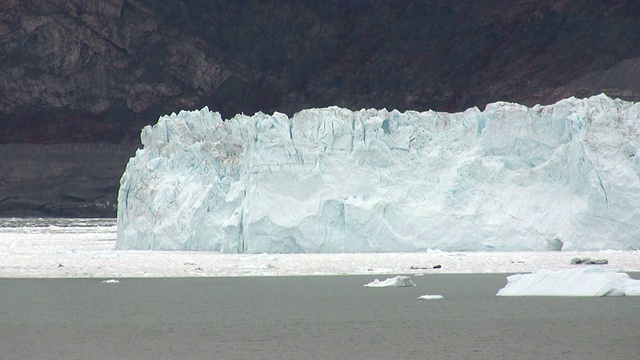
{"x": 307, "y": 317}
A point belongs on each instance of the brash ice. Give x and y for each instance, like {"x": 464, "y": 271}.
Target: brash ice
{"x": 564, "y": 176}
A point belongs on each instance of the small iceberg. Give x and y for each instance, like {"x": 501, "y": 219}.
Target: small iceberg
{"x": 398, "y": 281}
{"x": 586, "y": 281}
{"x": 430, "y": 297}
{"x": 111, "y": 281}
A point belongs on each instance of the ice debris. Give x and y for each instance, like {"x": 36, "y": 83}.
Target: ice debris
{"x": 583, "y": 281}
{"x": 430, "y": 297}
{"x": 398, "y": 281}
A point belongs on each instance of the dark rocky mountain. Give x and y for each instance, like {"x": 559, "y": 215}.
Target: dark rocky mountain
{"x": 96, "y": 71}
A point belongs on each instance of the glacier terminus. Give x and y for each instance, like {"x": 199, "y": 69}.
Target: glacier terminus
{"x": 558, "y": 177}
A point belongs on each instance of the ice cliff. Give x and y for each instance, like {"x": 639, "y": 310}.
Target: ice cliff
{"x": 564, "y": 176}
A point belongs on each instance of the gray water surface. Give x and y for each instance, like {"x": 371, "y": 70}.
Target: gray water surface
{"x": 329, "y": 317}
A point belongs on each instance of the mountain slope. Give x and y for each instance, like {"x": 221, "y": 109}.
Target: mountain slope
{"x": 97, "y": 71}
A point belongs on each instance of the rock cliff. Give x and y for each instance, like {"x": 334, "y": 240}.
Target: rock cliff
{"x": 96, "y": 71}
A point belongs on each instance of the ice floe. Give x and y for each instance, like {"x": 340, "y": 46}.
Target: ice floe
{"x": 584, "y": 281}
{"x": 398, "y": 281}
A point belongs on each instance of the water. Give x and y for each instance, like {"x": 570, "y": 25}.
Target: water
{"x": 52, "y": 223}
{"x": 305, "y": 317}
{"x": 322, "y": 317}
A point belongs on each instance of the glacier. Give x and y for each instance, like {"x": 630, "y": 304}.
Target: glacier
{"x": 558, "y": 177}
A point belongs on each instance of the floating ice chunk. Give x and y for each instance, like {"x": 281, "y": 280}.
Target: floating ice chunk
{"x": 398, "y": 281}
{"x": 430, "y": 297}
{"x": 111, "y": 281}
{"x": 586, "y": 281}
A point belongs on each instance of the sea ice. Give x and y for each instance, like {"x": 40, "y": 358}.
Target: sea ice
{"x": 88, "y": 252}
{"x": 584, "y": 281}
{"x": 564, "y": 176}
{"x": 398, "y": 281}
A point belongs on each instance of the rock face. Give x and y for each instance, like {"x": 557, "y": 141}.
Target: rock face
{"x": 96, "y": 71}
{"x": 61, "y": 180}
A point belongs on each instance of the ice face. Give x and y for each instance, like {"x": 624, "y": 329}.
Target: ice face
{"x": 564, "y": 176}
